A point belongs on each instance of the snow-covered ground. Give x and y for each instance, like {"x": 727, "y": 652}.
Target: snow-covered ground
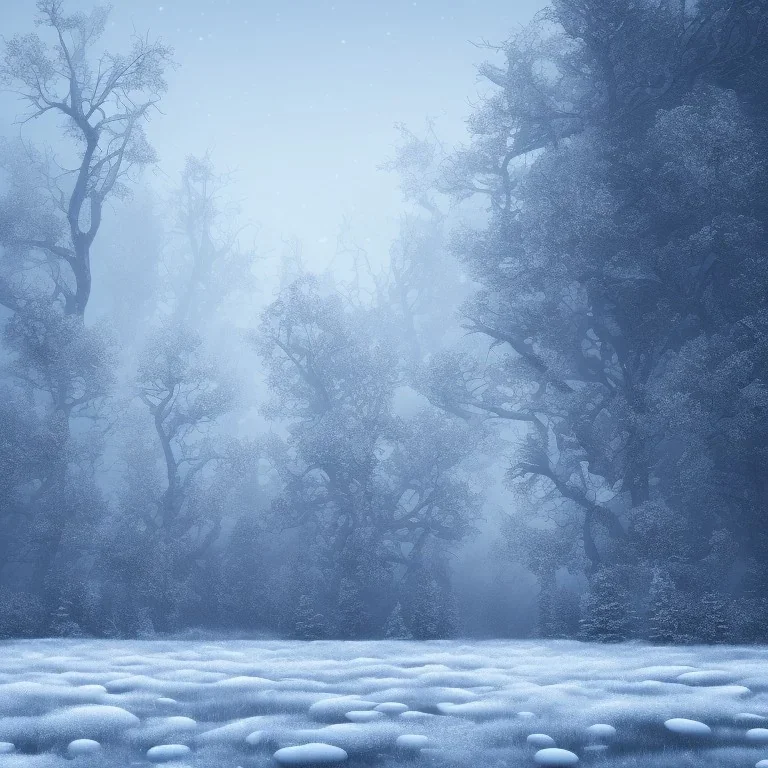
{"x": 479, "y": 704}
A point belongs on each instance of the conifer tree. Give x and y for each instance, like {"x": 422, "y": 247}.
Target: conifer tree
{"x": 395, "y": 628}
{"x": 606, "y": 614}
{"x": 715, "y": 626}
{"x": 663, "y": 609}
{"x": 309, "y": 624}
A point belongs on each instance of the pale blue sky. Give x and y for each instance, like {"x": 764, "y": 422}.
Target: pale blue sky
{"x": 300, "y": 97}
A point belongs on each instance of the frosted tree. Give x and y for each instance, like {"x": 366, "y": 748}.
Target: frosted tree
{"x": 395, "y": 628}
{"x": 430, "y": 607}
{"x": 105, "y": 100}
{"x": 371, "y": 489}
{"x": 607, "y": 615}
{"x": 618, "y": 190}
{"x": 206, "y": 266}
{"x": 715, "y": 626}
{"x": 51, "y": 211}
{"x": 309, "y": 624}
{"x": 664, "y": 614}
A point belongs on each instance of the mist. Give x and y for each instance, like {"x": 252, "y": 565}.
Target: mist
{"x": 376, "y": 377}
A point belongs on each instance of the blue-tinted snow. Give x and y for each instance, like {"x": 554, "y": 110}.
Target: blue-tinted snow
{"x": 237, "y": 703}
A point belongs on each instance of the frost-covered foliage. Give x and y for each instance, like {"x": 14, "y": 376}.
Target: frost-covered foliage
{"x": 606, "y": 610}
{"x": 105, "y": 100}
{"x": 379, "y": 495}
{"x": 192, "y": 437}
{"x": 395, "y": 628}
{"x": 622, "y": 275}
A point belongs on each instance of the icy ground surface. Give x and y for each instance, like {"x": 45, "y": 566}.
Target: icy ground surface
{"x": 239, "y": 703}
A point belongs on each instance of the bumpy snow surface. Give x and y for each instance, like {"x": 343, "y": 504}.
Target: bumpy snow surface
{"x": 251, "y": 704}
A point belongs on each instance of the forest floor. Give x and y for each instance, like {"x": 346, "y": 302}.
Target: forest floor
{"x": 236, "y": 703}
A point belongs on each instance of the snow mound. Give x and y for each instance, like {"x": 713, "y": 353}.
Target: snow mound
{"x": 687, "y": 727}
{"x": 238, "y": 701}
{"x": 310, "y": 754}
{"x": 165, "y": 753}
{"x": 412, "y": 741}
{"x": 245, "y": 683}
{"x": 355, "y": 737}
{"x": 601, "y": 731}
{"x": 83, "y": 747}
{"x": 232, "y": 732}
{"x": 180, "y": 723}
{"x": 6, "y": 747}
{"x": 475, "y": 709}
{"x": 761, "y": 764}
{"x": 157, "y": 730}
{"x": 338, "y": 706}
{"x": 758, "y": 734}
{"x": 705, "y": 677}
{"x": 729, "y": 690}
{"x": 91, "y": 721}
{"x": 364, "y": 715}
{"x": 540, "y": 740}
{"x": 33, "y": 697}
{"x": 662, "y": 672}
{"x": 555, "y": 757}
{"x": 749, "y": 719}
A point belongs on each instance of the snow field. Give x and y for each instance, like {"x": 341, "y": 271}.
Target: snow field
{"x": 251, "y": 704}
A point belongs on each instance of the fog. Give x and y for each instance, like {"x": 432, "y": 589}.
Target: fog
{"x": 405, "y": 321}
{"x": 300, "y": 100}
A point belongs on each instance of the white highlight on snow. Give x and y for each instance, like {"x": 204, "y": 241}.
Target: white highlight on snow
{"x": 338, "y": 706}
{"x": 179, "y": 723}
{"x": 231, "y": 733}
{"x": 412, "y": 741}
{"x": 687, "y": 727}
{"x": 83, "y": 747}
{"x": 540, "y": 740}
{"x": 601, "y": 731}
{"x": 310, "y": 754}
{"x": 165, "y": 753}
{"x": 354, "y": 737}
{"x": 364, "y": 715}
{"x": 758, "y": 734}
{"x": 555, "y": 757}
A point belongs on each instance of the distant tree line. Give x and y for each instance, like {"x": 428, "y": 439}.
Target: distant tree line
{"x": 312, "y": 472}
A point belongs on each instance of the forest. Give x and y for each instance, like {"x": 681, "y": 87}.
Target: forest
{"x": 563, "y": 354}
